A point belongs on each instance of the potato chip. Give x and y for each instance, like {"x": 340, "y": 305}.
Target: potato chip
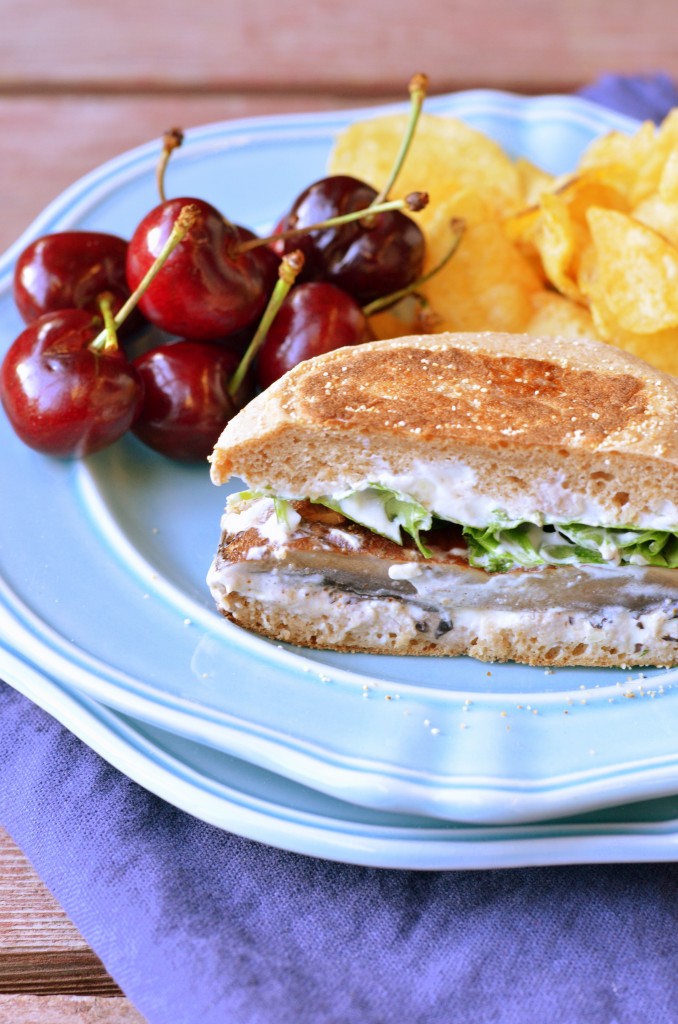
{"x": 668, "y": 183}
{"x": 486, "y": 286}
{"x": 533, "y": 181}
{"x": 590, "y": 253}
{"x": 557, "y": 230}
{"x": 639, "y": 158}
{"x": 660, "y": 348}
{"x": 659, "y": 210}
{"x": 558, "y": 238}
{"x": 601, "y": 188}
{"x": 635, "y": 274}
{"x": 654, "y": 212}
{"x": 555, "y": 315}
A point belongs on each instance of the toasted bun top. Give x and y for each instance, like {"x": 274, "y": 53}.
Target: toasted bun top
{"x": 497, "y": 403}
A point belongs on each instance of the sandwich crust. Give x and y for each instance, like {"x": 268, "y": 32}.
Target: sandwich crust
{"x": 555, "y": 425}
{"x": 554, "y": 637}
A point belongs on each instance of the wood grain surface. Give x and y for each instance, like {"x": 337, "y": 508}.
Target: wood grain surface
{"x": 347, "y": 48}
{"x": 81, "y": 82}
{"x": 44, "y": 958}
{"x": 67, "y": 1010}
{"x": 33, "y": 929}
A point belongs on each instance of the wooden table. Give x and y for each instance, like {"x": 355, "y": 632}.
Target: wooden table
{"x": 80, "y": 82}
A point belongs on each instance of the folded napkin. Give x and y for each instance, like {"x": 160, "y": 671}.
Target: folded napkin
{"x": 647, "y": 97}
{"x": 202, "y": 927}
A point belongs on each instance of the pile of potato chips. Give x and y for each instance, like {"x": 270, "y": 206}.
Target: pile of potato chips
{"x": 590, "y": 254}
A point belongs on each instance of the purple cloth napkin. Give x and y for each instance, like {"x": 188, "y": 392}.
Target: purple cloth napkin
{"x": 202, "y": 927}
{"x": 647, "y": 97}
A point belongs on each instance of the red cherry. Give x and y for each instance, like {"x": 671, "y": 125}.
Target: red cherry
{"x": 372, "y": 257}
{"x": 62, "y": 397}
{"x": 186, "y": 399}
{"x": 207, "y": 289}
{"x": 70, "y": 270}
{"x": 267, "y": 258}
{"x": 316, "y": 317}
{"x": 369, "y": 258}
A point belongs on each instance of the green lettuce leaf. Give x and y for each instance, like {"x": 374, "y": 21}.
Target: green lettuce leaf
{"x": 639, "y": 547}
{"x": 383, "y": 511}
{"x": 498, "y": 549}
{"x": 503, "y": 545}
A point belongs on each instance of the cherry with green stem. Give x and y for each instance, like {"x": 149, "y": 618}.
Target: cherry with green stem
{"x": 375, "y": 254}
{"x": 317, "y": 317}
{"x": 290, "y": 268}
{"x": 66, "y": 385}
{"x": 457, "y": 227}
{"x": 211, "y": 288}
{"x": 193, "y": 388}
{"x": 71, "y": 270}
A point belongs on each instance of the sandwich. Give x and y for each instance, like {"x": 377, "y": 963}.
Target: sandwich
{"x": 498, "y": 496}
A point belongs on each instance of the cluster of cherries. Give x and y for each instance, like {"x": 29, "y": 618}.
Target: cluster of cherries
{"x": 235, "y": 311}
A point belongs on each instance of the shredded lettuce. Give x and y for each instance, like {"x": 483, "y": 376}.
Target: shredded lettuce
{"x": 634, "y": 547}
{"x": 384, "y": 511}
{"x": 498, "y": 549}
{"x": 503, "y": 545}
{"x": 506, "y": 545}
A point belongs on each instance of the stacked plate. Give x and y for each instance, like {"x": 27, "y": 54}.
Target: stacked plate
{"x": 106, "y": 621}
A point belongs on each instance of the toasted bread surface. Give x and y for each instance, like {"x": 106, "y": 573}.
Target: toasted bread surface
{"x": 564, "y": 427}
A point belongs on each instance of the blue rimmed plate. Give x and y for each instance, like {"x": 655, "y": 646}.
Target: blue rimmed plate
{"x": 251, "y": 802}
{"x": 102, "y": 567}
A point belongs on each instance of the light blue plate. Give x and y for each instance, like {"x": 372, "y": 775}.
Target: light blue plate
{"x": 102, "y": 567}
{"x": 256, "y": 804}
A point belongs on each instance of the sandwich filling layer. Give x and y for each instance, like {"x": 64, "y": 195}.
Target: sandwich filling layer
{"x": 497, "y": 546}
{"x": 445, "y": 588}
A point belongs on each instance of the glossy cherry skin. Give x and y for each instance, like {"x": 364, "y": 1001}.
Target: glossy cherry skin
{"x": 62, "y": 398}
{"x": 316, "y": 317}
{"x": 186, "y": 400}
{"x": 368, "y": 259}
{"x": 70, "y": 270}
{"x": 205, "y": 290}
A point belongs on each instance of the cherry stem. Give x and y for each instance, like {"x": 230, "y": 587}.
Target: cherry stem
{"x": 458, "y": 226}
{"x": 107, "y": 340}
{"x": 288, "y": 271}
{"x": 418, "y": 90}
{"x": 413, "y": 202}
{"x": 186, "y": 219}
{"x": 171, "y": 140}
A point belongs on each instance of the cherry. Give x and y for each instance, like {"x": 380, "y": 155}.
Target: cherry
{"x": 62, "y": 396}
{"x": 368, "y": 258}
{"x": 66, "y": 386}
{"x": 186, "y": 399}
{"x": 209, "y": 288}
{"x": 316, "y": 317}
{"x": 192, "y": 388}
{"x": 70, "y": 270}
{"x": 267, "y": 260}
